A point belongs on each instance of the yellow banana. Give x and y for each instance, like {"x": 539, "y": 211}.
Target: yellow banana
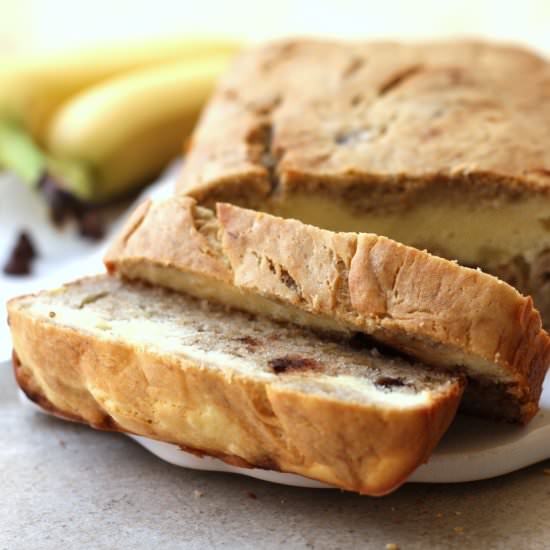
{"x": 32, "y": 89}
{"x": 122, "y": 132}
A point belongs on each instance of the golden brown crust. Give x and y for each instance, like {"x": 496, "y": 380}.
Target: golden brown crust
{"x": 378, "y": 117}
{"x": 159, "y": 228}
{"x": 134, "y": 221}
{"x": 428, "y": 307}
{"x": 114, "y": 385}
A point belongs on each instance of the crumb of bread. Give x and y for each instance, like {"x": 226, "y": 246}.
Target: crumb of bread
{"x": 459, "y": 530}
{"x": 392, "y": 546}
{"x": 197, "y": 493}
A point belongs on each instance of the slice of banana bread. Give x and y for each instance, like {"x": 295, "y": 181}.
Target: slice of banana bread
{"x": 427, "y": 307}
{"x": 253, "y": 392}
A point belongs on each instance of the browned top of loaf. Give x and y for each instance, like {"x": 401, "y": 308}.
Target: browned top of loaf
{"x": 398, "y": 116}
{"x": 429, "y": 307}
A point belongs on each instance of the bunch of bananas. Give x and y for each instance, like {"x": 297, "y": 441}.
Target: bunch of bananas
{"x": 100, "y": 123}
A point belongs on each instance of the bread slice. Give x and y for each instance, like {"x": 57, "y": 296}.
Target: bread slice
{"x": 255, "y": 393}
{"x": 440, "y": 146}
{"x": 429, "y": 308}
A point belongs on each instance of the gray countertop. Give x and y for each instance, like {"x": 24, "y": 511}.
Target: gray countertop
{"x": 65, "y": 485}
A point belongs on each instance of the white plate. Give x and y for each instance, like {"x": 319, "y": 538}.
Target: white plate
{"x": 472, "y": 449}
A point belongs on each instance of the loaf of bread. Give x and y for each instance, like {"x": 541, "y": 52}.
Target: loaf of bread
{"x": 442, "y": 146}
{"x": 255, "y": 393}
{"x": 424, "y": 306}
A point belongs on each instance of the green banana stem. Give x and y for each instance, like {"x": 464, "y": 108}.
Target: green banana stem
{"x": 20, "y": 154}
{"x": 73, "y": 177}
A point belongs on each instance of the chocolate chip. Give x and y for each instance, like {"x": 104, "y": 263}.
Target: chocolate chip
{"x": 292, "y": 363}
{"x": 21, "y": 256}
{"x": 24, "y": 246}
{"x": 17, "y": 266}
{"x": 63, "y": 205}
{"x": 389, "y": 382}
{"x": 91, "y": 226}
{"x": 250, "y": 343}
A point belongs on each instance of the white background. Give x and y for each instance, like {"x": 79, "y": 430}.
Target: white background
{"x": 45, "y": 25}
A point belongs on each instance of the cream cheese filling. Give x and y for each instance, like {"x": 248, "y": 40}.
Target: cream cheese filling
{"x": 481, "y": 235}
